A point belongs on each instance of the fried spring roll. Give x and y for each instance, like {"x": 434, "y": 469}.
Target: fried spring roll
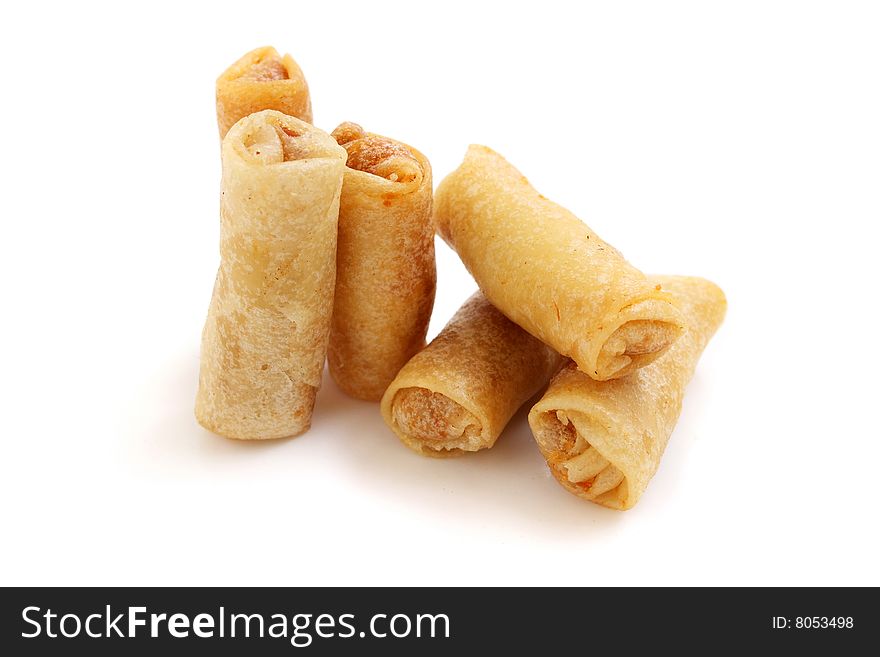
{"x": 265, "y": 338}
{"x": 459, "y": 393}
{"x": 603, "y": 441}
{"x": 548, "y": 272}
{"x": 385, "y": 270}
{"x": 262, "y": 79}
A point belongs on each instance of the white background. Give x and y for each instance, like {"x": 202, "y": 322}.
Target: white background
{"x": 737, "y": 141}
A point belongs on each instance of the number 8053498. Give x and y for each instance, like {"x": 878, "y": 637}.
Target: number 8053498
{"x": 813, "y": 622}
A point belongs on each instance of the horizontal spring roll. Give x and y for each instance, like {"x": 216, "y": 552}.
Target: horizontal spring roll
{"x": 262, "y": 79}
{"x": 459, "y": 393}
{"x": 265, "y": 338}
{"x": 548, "y": 272}
{"x": 385, "y": 270}
{"x": 603, "y": 441}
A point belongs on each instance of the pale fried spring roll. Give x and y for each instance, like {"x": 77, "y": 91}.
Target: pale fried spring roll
{"x": 459, "y": 393}
{"x": 385, "y": 271}
{"x": 548, "y": 272}
{"x": 604, "y": 441}
{"x": 262, "y": 79}
{"x": 265, "y": 338}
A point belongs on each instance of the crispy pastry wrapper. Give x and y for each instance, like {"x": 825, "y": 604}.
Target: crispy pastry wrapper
{"x": 459, "y": 393}
{"x": 548, "y": 272}
{"x": 265, "y": 339}
{"x": 262, "y": 79}
{"x": 603, "y": 441}
{"x": 385, "y": 270}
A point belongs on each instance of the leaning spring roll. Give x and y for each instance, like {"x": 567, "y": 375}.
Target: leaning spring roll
{"x": 603, "y": 441}
{"x": 458, "y": 393}
{"x": 265, "y": 338}
{"x": 385, "y": 271}
{"x": 262, "y": 79}
{"x": 548, "y": 272}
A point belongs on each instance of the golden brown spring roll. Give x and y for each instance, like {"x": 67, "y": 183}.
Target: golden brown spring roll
{"x": 548, "y": 272}
{"x": 385, "y": 271}
{"x": 603, "y": 441}
{"x": 459, "y": 393}
{"x": 265, "y": 338}
{"x": 260, "y": 80}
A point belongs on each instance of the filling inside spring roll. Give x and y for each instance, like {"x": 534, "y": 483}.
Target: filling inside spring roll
{"x": 574, "y": 461}
{"x": 435, "y": 421}
{"x": 377, "y": 155}
{"x": 266, "y": 66}
{"x": 264, "y": 70}
{"x": 272, "y": 143}
{"x": 635, "y": 344}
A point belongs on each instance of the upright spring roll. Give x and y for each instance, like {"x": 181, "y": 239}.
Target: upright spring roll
{"x": 548, "y": 272}
{"x": 459, "y": 393}
{"x": 265, "y": 338}
{"x": 385, "y": 270}
{"x": 603, "y": 441}
{"x": 262, "y": 79}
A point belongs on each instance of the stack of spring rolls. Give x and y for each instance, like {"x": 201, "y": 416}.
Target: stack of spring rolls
{"x": 327, "y": 253}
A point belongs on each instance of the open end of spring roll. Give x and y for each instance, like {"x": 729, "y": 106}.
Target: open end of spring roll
{"x": 386, "y": 273}
{"x": 434, "y": 424}
{"x": 379, "y": 156}
{"x": 549, "y": 272}
{"x": 265, "y": 338}
{"x": 459, "y": 393}
{"x": 603, "y": 441}
{"x": 574, "y": 461}
{"x": 262, "y": 79}
{"x": 633, "y": 337}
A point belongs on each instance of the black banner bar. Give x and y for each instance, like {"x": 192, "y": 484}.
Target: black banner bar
{"x": 278, "y": 621}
